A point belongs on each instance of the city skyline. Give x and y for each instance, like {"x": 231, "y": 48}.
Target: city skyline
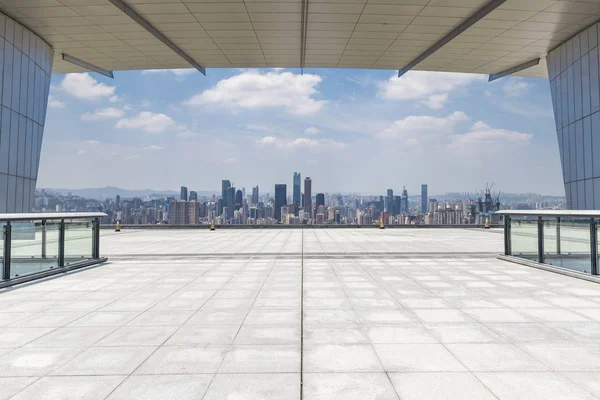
{"x": 351, "y": 128}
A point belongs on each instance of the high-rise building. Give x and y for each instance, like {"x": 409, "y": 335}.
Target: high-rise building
{"x": 238, "y": 199}
{"x": 296, "y": 190}
{"x": 389, "y": 202}
{"x": 225, "y": 185}
{"x": 320, "y": 200}
{"x": 398, "y": 204}
{"x": 184, "y": 194}
{"x": 423, "y": 199}
{"x": 308, "y": 211}
{"x": 404, "y": 204}
{"x": 280, "y": 199}
{"x": 117, "y": 202}
{"x": 193, "y": 196}
{"x": 230, "y": 202}
{"x": 193, "y": 212}
{"x": 255, "y": 195}
{"x": 178, "y": 212}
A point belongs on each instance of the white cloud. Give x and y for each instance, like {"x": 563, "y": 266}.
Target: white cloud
{"x": 104, "y": 113}
{"x": 267, "y": 140}
{"x": 83, "y": 86}
{"x": 311, "y": 130}
{"x": 414, "y": 129}
{"x": 176, "y": 72}
{"x": 436, "y": 101}
{"x": 254, "y": 90}
{"x": 54, "y": 103}
{"x": 481, "y": 134}
{"x": 115, "y": 99}
{"x": 300, "y": 143}
{"x": 260, "y": 128}
{"x": 516, "y": 87}
{"x": 81, "y": 152}
{"x": 147, "y": 121}
{"x": 153, "y": 148}
{"x": 422, "y": 85}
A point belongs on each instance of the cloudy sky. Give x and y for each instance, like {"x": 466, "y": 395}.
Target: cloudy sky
{"x": 350, "y": 130}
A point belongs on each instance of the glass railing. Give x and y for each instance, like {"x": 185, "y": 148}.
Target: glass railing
{"x": 560, "y": 238}
{"x": 38, "y": 245}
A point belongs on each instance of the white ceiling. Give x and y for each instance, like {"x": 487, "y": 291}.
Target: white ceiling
{"x": 384, "y": 34}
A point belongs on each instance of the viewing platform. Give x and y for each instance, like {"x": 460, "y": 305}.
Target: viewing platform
{"x": 301, "y": 314}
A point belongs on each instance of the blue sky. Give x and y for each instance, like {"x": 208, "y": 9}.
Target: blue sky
{"x": 350, "y": 130}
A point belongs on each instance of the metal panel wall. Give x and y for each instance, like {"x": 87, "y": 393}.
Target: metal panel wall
{"x": 25, "y": 70}
{"x": 574, "y": 71}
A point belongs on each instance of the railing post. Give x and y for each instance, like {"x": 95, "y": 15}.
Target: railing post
{"x": 540, "y": 240}
{"x": 96, "y": 238}
{"x": 558, "y": 235}
{"x": 61, "y": 243}
{"x": 507, "y": 238}
{"x": 594, "y": 246}
{"x": 7, "y": 248}
{"x": 44, "y": 238}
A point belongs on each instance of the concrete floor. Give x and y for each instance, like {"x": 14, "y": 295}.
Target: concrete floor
{"x": 328, "y": 314}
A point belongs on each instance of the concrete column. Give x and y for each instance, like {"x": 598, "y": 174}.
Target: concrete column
{"x": 573, "y": 69}
{"x": 25, "y": 70}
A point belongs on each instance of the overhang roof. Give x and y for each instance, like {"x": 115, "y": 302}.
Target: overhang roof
{"x": 381, "y": 34}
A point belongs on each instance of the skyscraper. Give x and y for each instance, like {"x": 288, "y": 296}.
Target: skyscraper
{"x": 184, "y": 194}
{"x": 193, "y": 196}
{"x": 230, "y": 202}
{"x": 280, "y": 199}
{"x": 225, "y": 185}
{"x": 404, "y": 205}
{"x": 296, "y": 190}
{"x": 389, "y": 202}
{"x": 255, "y": 195}
{"x": 320, "y": 200}
{"x": 423, "y": 199}
{"x": 308, "y": 211}
{"x": 238, "y": 199}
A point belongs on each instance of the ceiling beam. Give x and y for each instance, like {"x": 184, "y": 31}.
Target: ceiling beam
{"x": 156, "y": 33}
{"x": 303, "y": 33}
{"x": 87, "y": 65}
{"x": 512, "y": 70}
{"x": 482, "y": 12}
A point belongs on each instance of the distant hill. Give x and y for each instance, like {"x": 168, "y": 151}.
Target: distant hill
{"x": 112, "y": 192}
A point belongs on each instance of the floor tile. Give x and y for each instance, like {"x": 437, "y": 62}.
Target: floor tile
{"x": 495, "y": 357}
{"x": 70, "y": 388}
{"x": 268, "y": 334}
{"x": 341, "y": 358}
{"x": 417, "y": 357}
{"x": 355, "y": 386}
{"x": 332, "y": 334}
{"x": 184, "y": 360}
{"x": 150, "y": 387}
{"x": 138, "y": 336}
{"x": 190, "y": 335}
{"x": 105, "y": 361}
{"x": 261, "y": 359}
{"x": 463, "y": 333}
{"x": 566, "y": 356}
{"x": 11, "y": 386}
{"x": 400, "y": 333}
{"x": 254, "y": 386}
{"x": 532, "y": 386}
{"x": 34, "y": 361}
{"x": 439, "y": 386}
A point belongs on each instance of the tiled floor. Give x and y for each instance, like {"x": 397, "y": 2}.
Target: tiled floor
{"x": 329, "y": 314}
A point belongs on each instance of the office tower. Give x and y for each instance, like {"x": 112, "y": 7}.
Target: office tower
{"x": 193, "y": 196}
{"x": 404, "y": 204}
{"x": 255, "y": 195}
{"x": 243, "y": 193}
{"x": 296, "y": 192}
{"x": 238, "y": 199}
{"x": 398, "y": 204}
{"x": 225, "y": 185}
{"x": 193, "y": 212}
{"x": 389, "y": 202}
{"x": 220, "y": 205}
{"x": 178, "y": 212}
{"x": 184, "y": 194}
{"x": 320, "y": 200}
{"x": 308, "y": 211}
{"x": 423, "y": 199}
{"x": 280, "y": 199}
{"x": 230, "y": 202}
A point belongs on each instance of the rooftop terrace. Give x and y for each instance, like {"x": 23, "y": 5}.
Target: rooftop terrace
{"x": 312, "y": 314}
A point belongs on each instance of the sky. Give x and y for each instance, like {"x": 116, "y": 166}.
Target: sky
{"x": 357, "y": 131}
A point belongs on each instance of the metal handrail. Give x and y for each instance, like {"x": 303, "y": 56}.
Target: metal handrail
{"x": 552, "y": 213}
{"x": 8, "y": 219}
{"x": 50, "y": 216}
